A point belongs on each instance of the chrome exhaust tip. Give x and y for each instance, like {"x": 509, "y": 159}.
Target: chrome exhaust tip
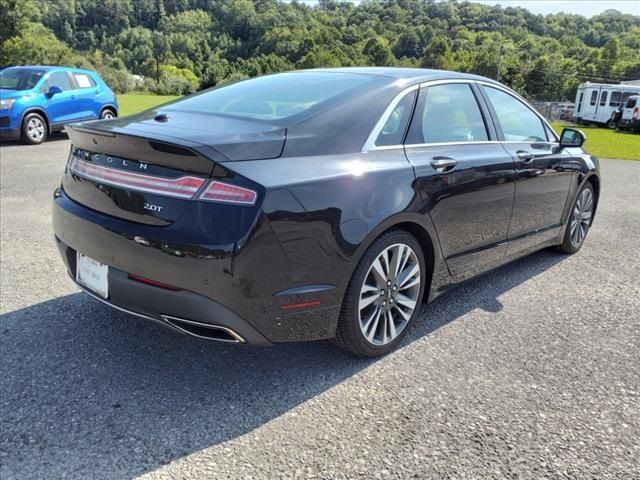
{"x": 203, "y": 330}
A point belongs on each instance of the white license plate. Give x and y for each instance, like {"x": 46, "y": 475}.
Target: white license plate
{"x": 92, "y": 274}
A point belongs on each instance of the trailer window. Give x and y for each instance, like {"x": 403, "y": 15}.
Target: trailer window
{"x": 580, "y": 101}
{"x": 626, "y": 95}
{"x": 614, "y": 101}
{"x": 631, "y": 103}
{"x": 594, "y": 97}
{"x": 603, "y": 98}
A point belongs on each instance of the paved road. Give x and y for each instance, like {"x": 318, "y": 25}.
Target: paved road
{"x": 531, "y": 371}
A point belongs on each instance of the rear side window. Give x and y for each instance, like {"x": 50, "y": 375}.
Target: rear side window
{"x": 603, "y": 99}
{"x": 60, "y": 79}
{"x": 447, "y": 113}
{"x": 396, "y": 125}
{"x": 614, "y": 101}
{"x": 275, "y": 97}
{"x": 83, "y": 80}
{"x": 594, "y": 97}
{"x": 517, "y": 121}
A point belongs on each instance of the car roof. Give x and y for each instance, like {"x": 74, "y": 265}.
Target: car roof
{"x": 48, "y": 68}
{"x": 408, "y": 75}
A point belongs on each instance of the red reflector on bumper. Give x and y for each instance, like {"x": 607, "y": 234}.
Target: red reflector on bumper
{"x": 297, "y": 306}
{"x": 154, "y": 283}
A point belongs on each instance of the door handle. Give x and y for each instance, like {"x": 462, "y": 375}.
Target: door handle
{"x": 525, "y": 157}
{"x": 443, "y": 164}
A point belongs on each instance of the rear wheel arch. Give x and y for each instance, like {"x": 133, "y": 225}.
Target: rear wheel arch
{"x": 110, "y": 108}
{"x": 421, "y": 234}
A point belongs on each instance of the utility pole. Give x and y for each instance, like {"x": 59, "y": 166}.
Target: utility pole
{"x": 500, "y": 55}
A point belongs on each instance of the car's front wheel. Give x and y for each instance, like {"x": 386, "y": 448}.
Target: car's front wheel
{"x": 384, "y": 296}
{"x": 34, "y": 129}
{"x": 579, "y": 220}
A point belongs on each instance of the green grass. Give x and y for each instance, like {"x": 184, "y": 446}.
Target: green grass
{"x": 134, "y": 103}
{"x": 607, "y": 143}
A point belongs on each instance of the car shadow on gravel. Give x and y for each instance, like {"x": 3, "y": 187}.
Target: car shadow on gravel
{"x": 88, "y": 392}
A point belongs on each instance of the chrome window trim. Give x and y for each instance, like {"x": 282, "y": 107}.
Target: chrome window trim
{"x": 370, "y": 145}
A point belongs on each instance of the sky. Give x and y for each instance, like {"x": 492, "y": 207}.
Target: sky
{"x": 587, "y": 8}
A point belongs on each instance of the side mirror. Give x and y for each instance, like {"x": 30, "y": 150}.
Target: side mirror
{"x": 571, "y": 137}
{"x": 53, "y": 89}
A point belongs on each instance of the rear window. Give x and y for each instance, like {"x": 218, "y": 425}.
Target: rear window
{"x": 274, "y": 97}
{"x": 631, "y": 103}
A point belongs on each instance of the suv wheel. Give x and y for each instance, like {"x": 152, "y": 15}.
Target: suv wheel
{"x": 107, "y": 114}
{"x": 34, "y": 129}
{"x": 383, "y": 297}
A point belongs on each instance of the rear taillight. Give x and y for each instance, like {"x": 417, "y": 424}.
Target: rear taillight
{"x": 183, "y": 187}
{"x": 225, "y": 193}
{"x": 636, "y": 111}
{"x": 186, "y": 187}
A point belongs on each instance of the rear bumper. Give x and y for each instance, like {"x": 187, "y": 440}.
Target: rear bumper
{"x": 218, "y": 287}
{"x": 179, "y": 309}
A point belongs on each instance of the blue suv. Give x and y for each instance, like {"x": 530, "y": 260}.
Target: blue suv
{"x": 36, "y": 101}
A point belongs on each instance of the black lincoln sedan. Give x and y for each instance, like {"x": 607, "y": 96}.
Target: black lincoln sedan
{"x": 320, "y": 204}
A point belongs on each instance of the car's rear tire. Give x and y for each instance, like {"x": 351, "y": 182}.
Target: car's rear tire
{"x": 34, "y": 129}
{"x": 107, "y": 114}
{"x": 383, "y": 297}
{"x": 579, "y": 220}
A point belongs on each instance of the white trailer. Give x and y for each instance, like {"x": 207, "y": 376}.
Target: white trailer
{"x": 596, "y": 102}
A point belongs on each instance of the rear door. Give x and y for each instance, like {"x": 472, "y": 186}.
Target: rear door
{"x": 544, "y": 171}
{"x": 62, "y": 107}
{"x": 463, "y": 174}
{"x": 86, "y": 91}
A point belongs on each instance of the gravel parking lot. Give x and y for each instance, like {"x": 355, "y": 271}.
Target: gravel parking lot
{"x": 530, "y": 371}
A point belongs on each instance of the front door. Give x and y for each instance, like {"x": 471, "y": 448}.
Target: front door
{"x": 62, "y": 107}
{"x": 544, "y": 171}
{"x": 465, "y": 177}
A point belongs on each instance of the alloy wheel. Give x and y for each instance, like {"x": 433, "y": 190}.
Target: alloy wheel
{"x": 35, "y": 129}
{"x": 389, "y": 294}
{"x": 581, "y": 217}
{"x": 107, "y": 115}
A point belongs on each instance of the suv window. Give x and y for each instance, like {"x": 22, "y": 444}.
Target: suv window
{"x": 83, "y": 80}
{"x": 447, "y": 113}
{"x": 60, "y": 79}
{"x": 594, "y": 97}
{"x": 517, "y": 121}
{"x": 603, "y": 98}
{"x": 614, "y": 101}
{"x": 396, "y": 125}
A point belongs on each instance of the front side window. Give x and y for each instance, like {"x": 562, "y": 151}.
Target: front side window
{"x": 60, "y": 79}
{"x": 396, "y": 125}
{"x": 603, "y": 99}
{"x": 447, "y": 113}
{"x": 517, "y": 121}
{"x": 19, "y": 78}
{"x": 580, "y": 101}
{"x": 614, "y": 101}
{"x": 594, "y": 98}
